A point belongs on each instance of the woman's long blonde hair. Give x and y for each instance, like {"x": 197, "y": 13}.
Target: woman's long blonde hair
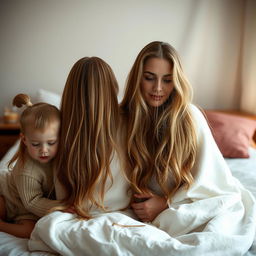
{"x": 37, "y": 116}
{"x": 160, "y": 141}
{"x": 90, "y": 114}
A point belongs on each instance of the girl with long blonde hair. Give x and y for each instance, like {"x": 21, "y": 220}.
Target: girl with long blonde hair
{"x": 179, "y": 179}
{"x": 161, "y": 135}
{"x": 27, "y": 193}
{"x": 86, "y": 164}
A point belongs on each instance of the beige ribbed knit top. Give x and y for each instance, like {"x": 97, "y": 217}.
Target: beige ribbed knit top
{"x": 32, "y": 186}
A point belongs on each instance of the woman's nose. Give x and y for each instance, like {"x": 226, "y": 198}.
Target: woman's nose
{"x": 158, "y": 85}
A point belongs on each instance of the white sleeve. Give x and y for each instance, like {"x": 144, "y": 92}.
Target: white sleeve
{"x": 215, "y": 201}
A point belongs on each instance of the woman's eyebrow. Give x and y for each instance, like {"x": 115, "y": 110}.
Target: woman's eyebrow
{"x": 148, "y": 72}
{"x": 153, "y": 74}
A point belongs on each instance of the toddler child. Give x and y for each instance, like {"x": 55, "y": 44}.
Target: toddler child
{"x": 27, "y": 193}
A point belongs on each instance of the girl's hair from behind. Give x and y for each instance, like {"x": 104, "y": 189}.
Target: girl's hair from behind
{"x": 90, "y": 115}
{"x": 37, "y": 116}
{"x": 161, "y": 141}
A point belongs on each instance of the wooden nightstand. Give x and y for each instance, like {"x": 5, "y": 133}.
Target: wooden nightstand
{"x": 9, "y": 133}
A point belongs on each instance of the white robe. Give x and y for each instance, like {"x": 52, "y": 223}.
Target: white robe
{"x": 215, "y": 216}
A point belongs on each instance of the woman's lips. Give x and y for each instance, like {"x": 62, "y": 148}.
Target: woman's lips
{"x": 156, "y": 97}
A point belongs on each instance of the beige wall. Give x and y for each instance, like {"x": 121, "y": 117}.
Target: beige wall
{"x": 41, "y": 40}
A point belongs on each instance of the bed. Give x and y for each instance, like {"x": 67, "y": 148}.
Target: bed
{"x": 243, "y": 168}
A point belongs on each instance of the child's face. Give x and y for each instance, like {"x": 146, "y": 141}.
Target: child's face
{"x": 42, "y": 144}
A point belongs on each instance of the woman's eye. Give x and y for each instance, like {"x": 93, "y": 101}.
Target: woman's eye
{"x": 167, "y": 81}
{"x": 149, "y": 78}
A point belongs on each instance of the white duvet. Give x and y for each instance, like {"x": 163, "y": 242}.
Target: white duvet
{"x": 216, "y": 216}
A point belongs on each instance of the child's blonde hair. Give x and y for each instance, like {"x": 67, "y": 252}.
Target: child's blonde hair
{"x": 89, "y": 110}
{"x": 37, "y": 116}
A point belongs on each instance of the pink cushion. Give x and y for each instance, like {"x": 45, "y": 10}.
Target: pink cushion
{"x": 233, "y": 134}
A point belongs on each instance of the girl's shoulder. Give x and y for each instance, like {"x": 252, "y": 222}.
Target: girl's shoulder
{"x": 34, "y": 168}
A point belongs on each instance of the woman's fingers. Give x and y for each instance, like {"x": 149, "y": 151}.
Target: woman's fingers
{"x": 142, "y": 216}
{"x": 138, "y": 205}
{"x": 150, "y": 208}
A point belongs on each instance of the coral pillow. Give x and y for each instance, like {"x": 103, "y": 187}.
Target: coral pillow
{"x": 233, "y": 134}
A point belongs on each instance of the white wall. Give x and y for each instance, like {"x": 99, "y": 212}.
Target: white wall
{"x": 42, "y": 39}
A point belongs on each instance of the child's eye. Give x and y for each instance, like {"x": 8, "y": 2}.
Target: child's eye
{"x": 35, "y": 144}
{"x": 51, "y": 143}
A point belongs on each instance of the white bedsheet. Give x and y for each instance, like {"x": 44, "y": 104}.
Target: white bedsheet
{"x": 51, "y": 227}
{"x": 101, "y": 236}
{"x": 244, "y": 169}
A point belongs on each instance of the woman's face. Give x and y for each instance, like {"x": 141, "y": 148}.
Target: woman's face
{"x": 156, "y": 81}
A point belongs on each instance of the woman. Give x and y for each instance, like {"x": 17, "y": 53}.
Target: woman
{"x": 179, "y": 179}
{"x": 161, "y": 134}
{"x": 86, "y": 163}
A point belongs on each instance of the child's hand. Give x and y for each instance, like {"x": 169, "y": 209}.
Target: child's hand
{"x": 149, "y": 206}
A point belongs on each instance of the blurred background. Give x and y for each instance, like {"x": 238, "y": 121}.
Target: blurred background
{"x": 216, "y": 39}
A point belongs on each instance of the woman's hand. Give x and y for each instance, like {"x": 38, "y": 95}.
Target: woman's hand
{"x": 150, "y": 207}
